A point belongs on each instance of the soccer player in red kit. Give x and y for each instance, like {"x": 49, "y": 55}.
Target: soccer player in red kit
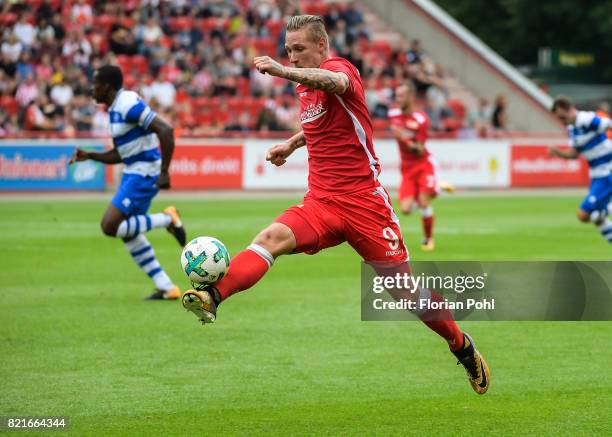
{"x": 419, "y": 185}
{"x": 345, "y": 201}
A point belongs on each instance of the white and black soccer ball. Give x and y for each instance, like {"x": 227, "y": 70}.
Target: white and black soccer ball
{"x": 205, "y": 260}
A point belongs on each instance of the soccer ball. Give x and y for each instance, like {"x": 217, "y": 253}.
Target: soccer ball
{"x": 205, "y": 260}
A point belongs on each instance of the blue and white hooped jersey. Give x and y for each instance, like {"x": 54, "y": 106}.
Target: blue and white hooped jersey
{"x": 130, "y": 118}
{"x": 588, "y": 136}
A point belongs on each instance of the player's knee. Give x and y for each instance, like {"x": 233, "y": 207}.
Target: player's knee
{"x": 277, "y": 239}
{"x": 406, "y": 207}
{"x": 108, "y": 228}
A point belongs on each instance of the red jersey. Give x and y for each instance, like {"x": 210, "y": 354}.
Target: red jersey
{"x": 338, "y": 133}
{"x": 415, "y": 126}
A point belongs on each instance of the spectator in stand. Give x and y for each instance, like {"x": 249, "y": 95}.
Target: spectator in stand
{"x": 12, "y": 48}
{"x": 24, "y": 66}
{"x": 76, "y": 41}
{"x": 25, "y": 32}
{"x": 148, "y": 35}
{"x": 5, "y": 123}
{"x": 415, "y": 52}
{"x": 338, "y": 36}
{"x": 209, "y": 58}
{"x": 163, "y": 92}
{"x": 332, "y": 16}
{"x": 479, "y": 118}
{"x": 353, "y": 18}
{"x": 122, "y": 40}
{"x": 61, "y": 94}
{"x": 81, "y": 13}
{"x": 8, "y": 85}
{"x": 45, "y": 31}
{"x": 27, "y": 91}
{"x": 58, "y": 27}
{"x": 499, "y": 118}
{"x": 266, "y": 120}
{"x": 287, "y": 113}
{"x": 100, "y": 124}
{"x": 35, "y": 119}
{"x": 45, "y": 12}
{"x": 80, "y": 83}
{"x": 81, "y": 113}
{"x": 44, "y": 70}
{"x": 385, "y": 94}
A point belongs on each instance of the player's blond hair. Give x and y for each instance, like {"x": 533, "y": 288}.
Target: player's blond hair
{"x": 314, "y": 24}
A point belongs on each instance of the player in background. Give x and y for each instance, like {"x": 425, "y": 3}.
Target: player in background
{"x": 135, "y": 130}
{"x": 345, "y": 202}
{"x": 587, "y": 137}
{"x": 418, "y": 167}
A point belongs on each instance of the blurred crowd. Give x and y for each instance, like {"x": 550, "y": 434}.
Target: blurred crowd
{"x": 192, "y": 61}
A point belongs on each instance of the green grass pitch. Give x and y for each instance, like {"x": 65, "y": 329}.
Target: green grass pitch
{"x": 290, "y": 356}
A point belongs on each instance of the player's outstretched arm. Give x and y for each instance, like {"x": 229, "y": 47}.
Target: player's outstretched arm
{"x": 165, "y": 133}
{"x": 108, "y": 157}
{"x": 314, "y": 78}
{"x": 279, "y": 153}
{"x": 569, "y": 154}
{"x": 400, "y": 134}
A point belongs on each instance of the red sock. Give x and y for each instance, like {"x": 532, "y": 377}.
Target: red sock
{"x": 428, "y": 226}
{"x": 246, "y": 269}
{"x": 441, "y": 321}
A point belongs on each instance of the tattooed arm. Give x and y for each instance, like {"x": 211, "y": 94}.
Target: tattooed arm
{"x": 315, "y": 78}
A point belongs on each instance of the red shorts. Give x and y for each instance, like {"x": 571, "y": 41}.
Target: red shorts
{"x": 419, "y": 177}
{"x": 365, "y": 220}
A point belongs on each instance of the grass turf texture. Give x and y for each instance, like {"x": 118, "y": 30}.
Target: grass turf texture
{"x": 289, "y": 357}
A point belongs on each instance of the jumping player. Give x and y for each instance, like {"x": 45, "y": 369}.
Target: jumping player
{"x": 345, "y": 201}
{"x": 419, "y": 185}
{"x": 587, "y": 137}
{"x": 135, "y": 130}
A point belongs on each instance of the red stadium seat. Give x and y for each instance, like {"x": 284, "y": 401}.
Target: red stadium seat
{"x": 265, "y": 46}
{"x": 125, "y": 63}
{"x": 9, "y": 104}
{"x": 457, "y": 107}
{"x": 200, "y": 103}
{"x": 235, "y": 103}
{"x": 178, "y": 24}
{"x": 203, "y": 118}
{"x": 382, "y": 47}
{"x": 8, "y": 19}
{"x": 274, "y": 27}
{"x": 315, "y": 8}
{"x": 128, "y": 22}
{"x": 140, "y": 64}
{"x": 244, "y": 86}
{"x": 105, "y": 22}
{"x": 129, "y": 80}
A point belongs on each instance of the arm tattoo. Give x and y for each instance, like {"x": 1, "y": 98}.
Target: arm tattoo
{"x": 298, "y": 140}
{"x": 317, "y": 78}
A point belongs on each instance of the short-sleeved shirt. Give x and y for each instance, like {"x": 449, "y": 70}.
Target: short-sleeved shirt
{"x": 130, "y": 118}
{"x": 338, "y": 132}
{"x": 588, "y": 136}
{"x": 415, "y": 126}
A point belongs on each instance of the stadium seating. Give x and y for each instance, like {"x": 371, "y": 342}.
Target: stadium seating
{"x": 240, "y": 30}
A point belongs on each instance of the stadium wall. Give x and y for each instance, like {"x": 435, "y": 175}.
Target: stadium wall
{"x": 41, "y": 165}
